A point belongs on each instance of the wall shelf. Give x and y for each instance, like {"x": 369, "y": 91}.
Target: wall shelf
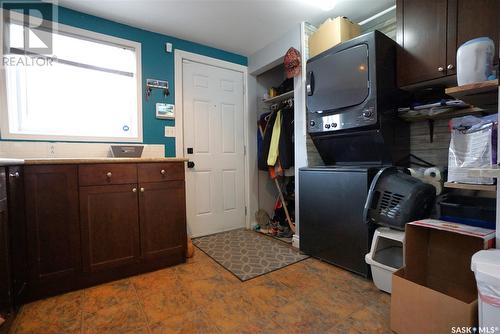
{"x": 467, "y": 186}
{"x": 279, "y": 98}
{"x": 445, "y": 115}
{"x": 483, "y": 94}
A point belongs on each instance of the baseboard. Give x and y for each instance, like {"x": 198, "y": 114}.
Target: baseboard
{"x": 296, "y": 241}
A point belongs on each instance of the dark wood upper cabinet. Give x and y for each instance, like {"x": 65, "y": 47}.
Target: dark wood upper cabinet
{"x": 53, "y": 230}
{"x": 110, "y": 226}
{"x": 430, "y": 32}
{"x": 421, "y": 31}
{"x": 163, "y": 219}
{"x": 477, "y": 18}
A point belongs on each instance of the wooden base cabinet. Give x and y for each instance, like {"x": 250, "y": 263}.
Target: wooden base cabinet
{"x": 88, "y": 224}
{"x": 5, "y": 277}
{"x": 17, "y": 231}
{"x": 110, "y": 226}
{"x": 53, "y": 228}
{"x": 163, "y": 219}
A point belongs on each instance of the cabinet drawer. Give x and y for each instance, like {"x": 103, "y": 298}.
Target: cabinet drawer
{"x": 102, "y": 174}
{"x": 163, "y": 171}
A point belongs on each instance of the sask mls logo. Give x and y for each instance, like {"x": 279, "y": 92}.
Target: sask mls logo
{"x": 27, "y": 27}
{"x": 475, "y": 330}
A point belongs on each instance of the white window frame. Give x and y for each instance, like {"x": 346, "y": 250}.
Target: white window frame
{"x": 86, "y": 34}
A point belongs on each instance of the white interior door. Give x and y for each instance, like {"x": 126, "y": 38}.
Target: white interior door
{"x": 213, "y": 132}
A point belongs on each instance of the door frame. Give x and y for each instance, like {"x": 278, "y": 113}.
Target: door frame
{"x": 179, "y": 56}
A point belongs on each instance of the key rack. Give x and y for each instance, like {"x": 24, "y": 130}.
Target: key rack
{"x": 156, "y": 84}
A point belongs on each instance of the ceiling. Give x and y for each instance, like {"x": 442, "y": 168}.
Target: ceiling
{"x": 240, "y": 26}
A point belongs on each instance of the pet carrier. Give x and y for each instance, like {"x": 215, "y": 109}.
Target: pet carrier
{"x": 396, "y": 198}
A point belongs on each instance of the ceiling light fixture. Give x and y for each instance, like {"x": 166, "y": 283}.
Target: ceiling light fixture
{"x": 325, "y": 5}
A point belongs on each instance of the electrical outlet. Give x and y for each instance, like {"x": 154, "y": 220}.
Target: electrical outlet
{"x": 52, "y": 149}
{"x": 169, "y": 131}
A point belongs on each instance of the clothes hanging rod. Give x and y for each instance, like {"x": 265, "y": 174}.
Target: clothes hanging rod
{"x": 377, "y": 15}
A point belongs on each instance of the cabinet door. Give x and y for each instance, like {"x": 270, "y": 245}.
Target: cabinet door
{"x": 110, "y": 226}
{"x": 163, "y": 219}
{"x": 17, "y": 229}
{"x": 472, "y": 19}
{"x": 53, "y": 231}
{"x": 421, "y": 32}
{"x": 5, "y": 280}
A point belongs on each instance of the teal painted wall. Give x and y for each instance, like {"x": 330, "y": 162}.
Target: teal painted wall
{"x": 156, "y": 64}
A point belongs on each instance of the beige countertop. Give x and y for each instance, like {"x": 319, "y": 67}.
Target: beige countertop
{"x": 62, "y": 161}
{"x": 11, "y": 162}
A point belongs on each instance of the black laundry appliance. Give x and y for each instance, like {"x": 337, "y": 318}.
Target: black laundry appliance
{"x": 351, "y": 103}
{"x": 332, "y": 227}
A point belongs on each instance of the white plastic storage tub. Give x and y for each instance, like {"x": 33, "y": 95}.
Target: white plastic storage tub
{"x": 386, "y": 256}
{"x": 486, "y": 267}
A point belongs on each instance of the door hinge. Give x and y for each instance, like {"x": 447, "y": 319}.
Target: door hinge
{"x": 244, "y": 150}
{"x": 245, "y": 210}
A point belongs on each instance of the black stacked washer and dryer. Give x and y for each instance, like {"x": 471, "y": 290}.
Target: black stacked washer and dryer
{"x": 351, "y": 108}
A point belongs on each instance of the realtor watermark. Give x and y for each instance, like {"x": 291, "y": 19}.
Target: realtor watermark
{"x": 26, "y": 61}
{"x": 475, "y": 330}
{"x": 27, "y": 32}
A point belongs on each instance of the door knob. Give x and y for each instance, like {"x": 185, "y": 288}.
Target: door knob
{"x": 142, "y": 190}
{"x": 134, "y": 190}
{"x": 15, "y": 174}
{"x": 440, "y": 69}
{"x": 190, "y": 164}
{"x": 163, "y": 172}
{"x": 450, "y": 67}
{"x": 108, "y": 175}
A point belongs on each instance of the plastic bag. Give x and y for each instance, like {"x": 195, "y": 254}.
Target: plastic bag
{"x": 489, "y": 289}
{"x": 472, "y": 145}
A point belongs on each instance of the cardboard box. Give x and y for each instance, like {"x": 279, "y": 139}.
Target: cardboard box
{"x": 436, "y": 291}
{"x": 331, "y": 33}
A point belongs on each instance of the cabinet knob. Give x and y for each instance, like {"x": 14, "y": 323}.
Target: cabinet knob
{"x": 15, "y": 174}
{"x": 163, "y": 172}
{"x": 440, "y": 69}
{"x": 134, "y": 190}
{"x": 450, "y": 67}
{"x": 142, "y": 190}
{"x": 108, "y": 175}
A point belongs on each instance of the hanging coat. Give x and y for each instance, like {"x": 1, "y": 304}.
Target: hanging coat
{"x": 286, "y": 144}
{"x": 266, "y": 141}
{"x": 275, "y": 141}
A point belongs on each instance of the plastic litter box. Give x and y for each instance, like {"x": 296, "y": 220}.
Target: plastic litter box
{"x": 386, "y": 256}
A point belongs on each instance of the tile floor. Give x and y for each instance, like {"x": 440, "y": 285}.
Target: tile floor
{"x": 202, "y": 297}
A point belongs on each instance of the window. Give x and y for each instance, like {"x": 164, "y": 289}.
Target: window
{"x": 89, "y": 89}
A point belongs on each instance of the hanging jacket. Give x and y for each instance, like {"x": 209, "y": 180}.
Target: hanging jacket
{"x": 285, "y": 147}
{"x": 275, "y": 141}
{"x": 261, "y": 126}
{"x": 286, "y": 143}
{"x": 266, "y": 141}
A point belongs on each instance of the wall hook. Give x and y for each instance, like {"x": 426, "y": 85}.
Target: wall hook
{"x": 158, "y": 84}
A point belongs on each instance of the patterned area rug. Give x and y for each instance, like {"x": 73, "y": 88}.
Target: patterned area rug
{"x": 247, "y": 254}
